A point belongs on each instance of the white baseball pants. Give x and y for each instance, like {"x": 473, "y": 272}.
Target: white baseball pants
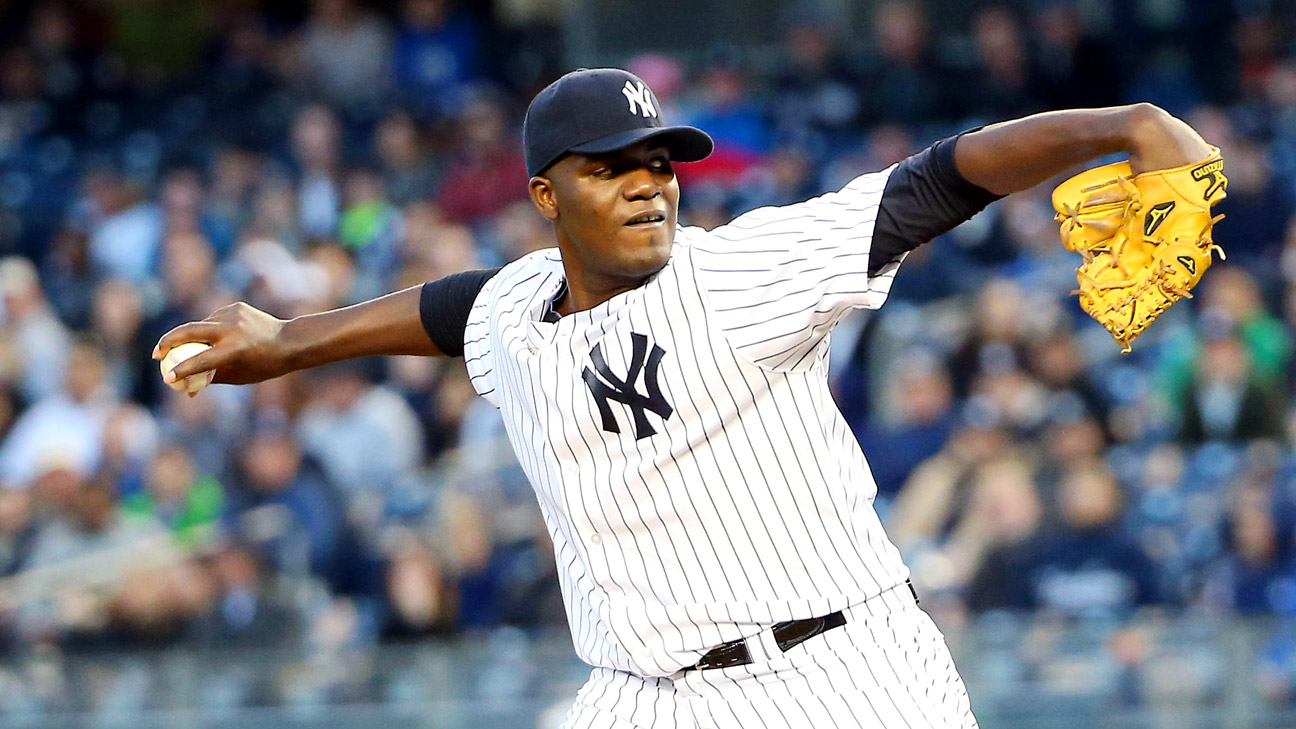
{"x": 887, "y": 667}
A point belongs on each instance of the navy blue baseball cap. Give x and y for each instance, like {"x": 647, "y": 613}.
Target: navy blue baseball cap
{"x": 595, "y": 110}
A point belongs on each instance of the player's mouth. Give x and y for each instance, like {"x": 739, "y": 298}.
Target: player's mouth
{"x": 649, "y": 219}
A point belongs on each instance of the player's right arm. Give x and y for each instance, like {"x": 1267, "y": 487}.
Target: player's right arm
{"x": 249, "y": 345}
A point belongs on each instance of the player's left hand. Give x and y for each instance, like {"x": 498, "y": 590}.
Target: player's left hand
{"x": 1145, "y": 238}
{"x": 1161, "y": 141}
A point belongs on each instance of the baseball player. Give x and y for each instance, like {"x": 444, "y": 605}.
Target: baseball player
{"x": 665, "y": 390}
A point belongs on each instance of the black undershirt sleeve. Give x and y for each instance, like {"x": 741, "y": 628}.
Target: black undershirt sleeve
{"x": 444, "y": 305}
{"x": 925, "y": 196}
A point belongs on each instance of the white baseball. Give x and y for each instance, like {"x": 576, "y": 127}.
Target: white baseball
{"x": 180, "y": 353}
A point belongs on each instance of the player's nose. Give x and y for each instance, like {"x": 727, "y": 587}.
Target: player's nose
{"x": 641, "y": 184}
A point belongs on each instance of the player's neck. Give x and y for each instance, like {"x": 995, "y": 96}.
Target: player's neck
{"x": 578, "y": 297}
{"x": 590, "y": 284}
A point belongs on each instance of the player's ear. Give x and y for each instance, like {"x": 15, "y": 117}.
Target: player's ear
{"x": 542, "y": 196}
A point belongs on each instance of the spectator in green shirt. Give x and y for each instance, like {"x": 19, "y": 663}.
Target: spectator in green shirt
{"x": 177, "y": 495}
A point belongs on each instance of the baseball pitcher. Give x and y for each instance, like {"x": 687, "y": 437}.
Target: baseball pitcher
{"x": 665, "y": 390}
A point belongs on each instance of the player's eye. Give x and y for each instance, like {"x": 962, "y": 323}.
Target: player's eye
{"x": 659, "y": 164}
{"x": 602, "y": 172}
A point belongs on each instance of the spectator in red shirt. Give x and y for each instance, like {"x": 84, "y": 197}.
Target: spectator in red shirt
{"x": 487, "y": 173}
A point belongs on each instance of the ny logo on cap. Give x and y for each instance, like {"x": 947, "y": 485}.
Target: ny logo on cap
{"x": 639, "y": 97}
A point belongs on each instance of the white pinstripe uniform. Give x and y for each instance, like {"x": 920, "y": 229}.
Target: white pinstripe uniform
{"x": 714, "y": 489}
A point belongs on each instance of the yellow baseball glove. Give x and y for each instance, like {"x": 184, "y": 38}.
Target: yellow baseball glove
{"x": 1145, "y": 239}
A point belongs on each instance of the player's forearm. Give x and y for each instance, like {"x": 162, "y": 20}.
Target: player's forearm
{"x": 1019, "y": 154}
{"x": 248, "y": 345}
{"x": 388, "y": 325}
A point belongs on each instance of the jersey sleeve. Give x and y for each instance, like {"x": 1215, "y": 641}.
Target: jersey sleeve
{"x": 479, "y": 355}
{"x": 444, "y": 306}
{"x": 779, "y": 278}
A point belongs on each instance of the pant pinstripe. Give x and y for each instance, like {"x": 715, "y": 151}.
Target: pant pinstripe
{"x": 887, "y": 667}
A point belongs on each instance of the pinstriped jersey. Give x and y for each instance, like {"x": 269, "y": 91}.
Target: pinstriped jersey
{"x": 697, "y": 480}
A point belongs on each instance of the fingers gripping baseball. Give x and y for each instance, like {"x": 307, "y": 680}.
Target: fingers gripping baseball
{"x": 245, "y": 346}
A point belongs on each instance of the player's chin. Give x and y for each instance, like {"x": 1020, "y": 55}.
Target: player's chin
{"x": 647, "y": 255}
{"x": 641, "y": 262}
{"x": 656, "y": 238}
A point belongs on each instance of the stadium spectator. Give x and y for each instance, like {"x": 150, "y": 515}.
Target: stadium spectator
{"x": 17, "y": 528}
{"x": 345, "y": 52}
{"x": 928, "y": 504}
{"x": 125, "y": 228}
{"x": 1001, "y": 67}
{"x": 235, "y": 176}
{"x": 1009, "y": 514}
{"x": 22, "y": 109}
{"x": 306, "y": 530}
{"x": 1088, "y": 566}
{"x": 921, "y": 419}
{"x": 66, "y": 427}
{"x": 370, "y": 230}
{"x": 177, "y": 494}
{"x": 421, "y": 596}
{"x": 316, "y": 147}
{"x": 815, "y": 89}
{"x": 1068, "y": 52}
{"x": 33, "y": 341}
{"x": 997, "y": 340}
{"x": 303, "y": 535}
{"x": 407, "y": 168}
{"x": 84, "y": 531}
{"x": 437, "y": 56}
{"x": 722, "y": 104}
{"x": 1257, "y": 576}
{"x": 130, "y": 438}
{"x": 206, "y": 428}
{"x": 244, "y": 610}
{"x": 486, "y": 171}
{"x": 117, "y": 321}
{"x": 1225, "y": 401}
{"x": 990, "y": 504}
{"x": 69, "y": 277}
{"x": 366, "y": 437}
{"x": 906, "y": 82}
{"x": 183, "y": 196}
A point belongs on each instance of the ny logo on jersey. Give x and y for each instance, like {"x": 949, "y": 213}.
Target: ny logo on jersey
{"x": 605, "y": 386}
{"x": 639, "y": 97}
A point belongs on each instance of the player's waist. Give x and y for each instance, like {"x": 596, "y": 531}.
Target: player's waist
{"x": 784, "y": 636}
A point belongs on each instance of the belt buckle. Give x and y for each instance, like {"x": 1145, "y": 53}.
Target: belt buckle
{"x": 727, "y": 655}
{"x": 806, "y": 629}
{"x": 736, "y": 653}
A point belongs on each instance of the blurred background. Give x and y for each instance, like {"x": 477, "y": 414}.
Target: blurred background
{"x": 1106, "y": 540}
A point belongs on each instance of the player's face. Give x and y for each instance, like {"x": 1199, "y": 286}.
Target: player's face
{"x": 614, "y": 214}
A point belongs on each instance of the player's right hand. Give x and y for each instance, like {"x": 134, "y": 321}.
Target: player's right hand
{"x": 246, "y": 346}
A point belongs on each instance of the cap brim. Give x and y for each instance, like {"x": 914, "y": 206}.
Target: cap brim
{"x": 686, "y": 144}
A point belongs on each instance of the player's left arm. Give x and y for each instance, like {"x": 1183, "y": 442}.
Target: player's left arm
{"x": 1016, "y": 155}
{"x": 942, "y": 186}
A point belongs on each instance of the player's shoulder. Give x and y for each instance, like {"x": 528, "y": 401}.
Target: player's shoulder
{"x": 798, "y": 221}
{"x": 523, "y": 277}
{"x": 545, "y": 259}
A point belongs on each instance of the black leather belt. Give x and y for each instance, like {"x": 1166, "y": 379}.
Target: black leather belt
{"x": 786, "y": 636}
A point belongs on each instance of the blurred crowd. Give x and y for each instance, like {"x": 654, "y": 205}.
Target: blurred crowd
{"x": 159, "y": 160}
